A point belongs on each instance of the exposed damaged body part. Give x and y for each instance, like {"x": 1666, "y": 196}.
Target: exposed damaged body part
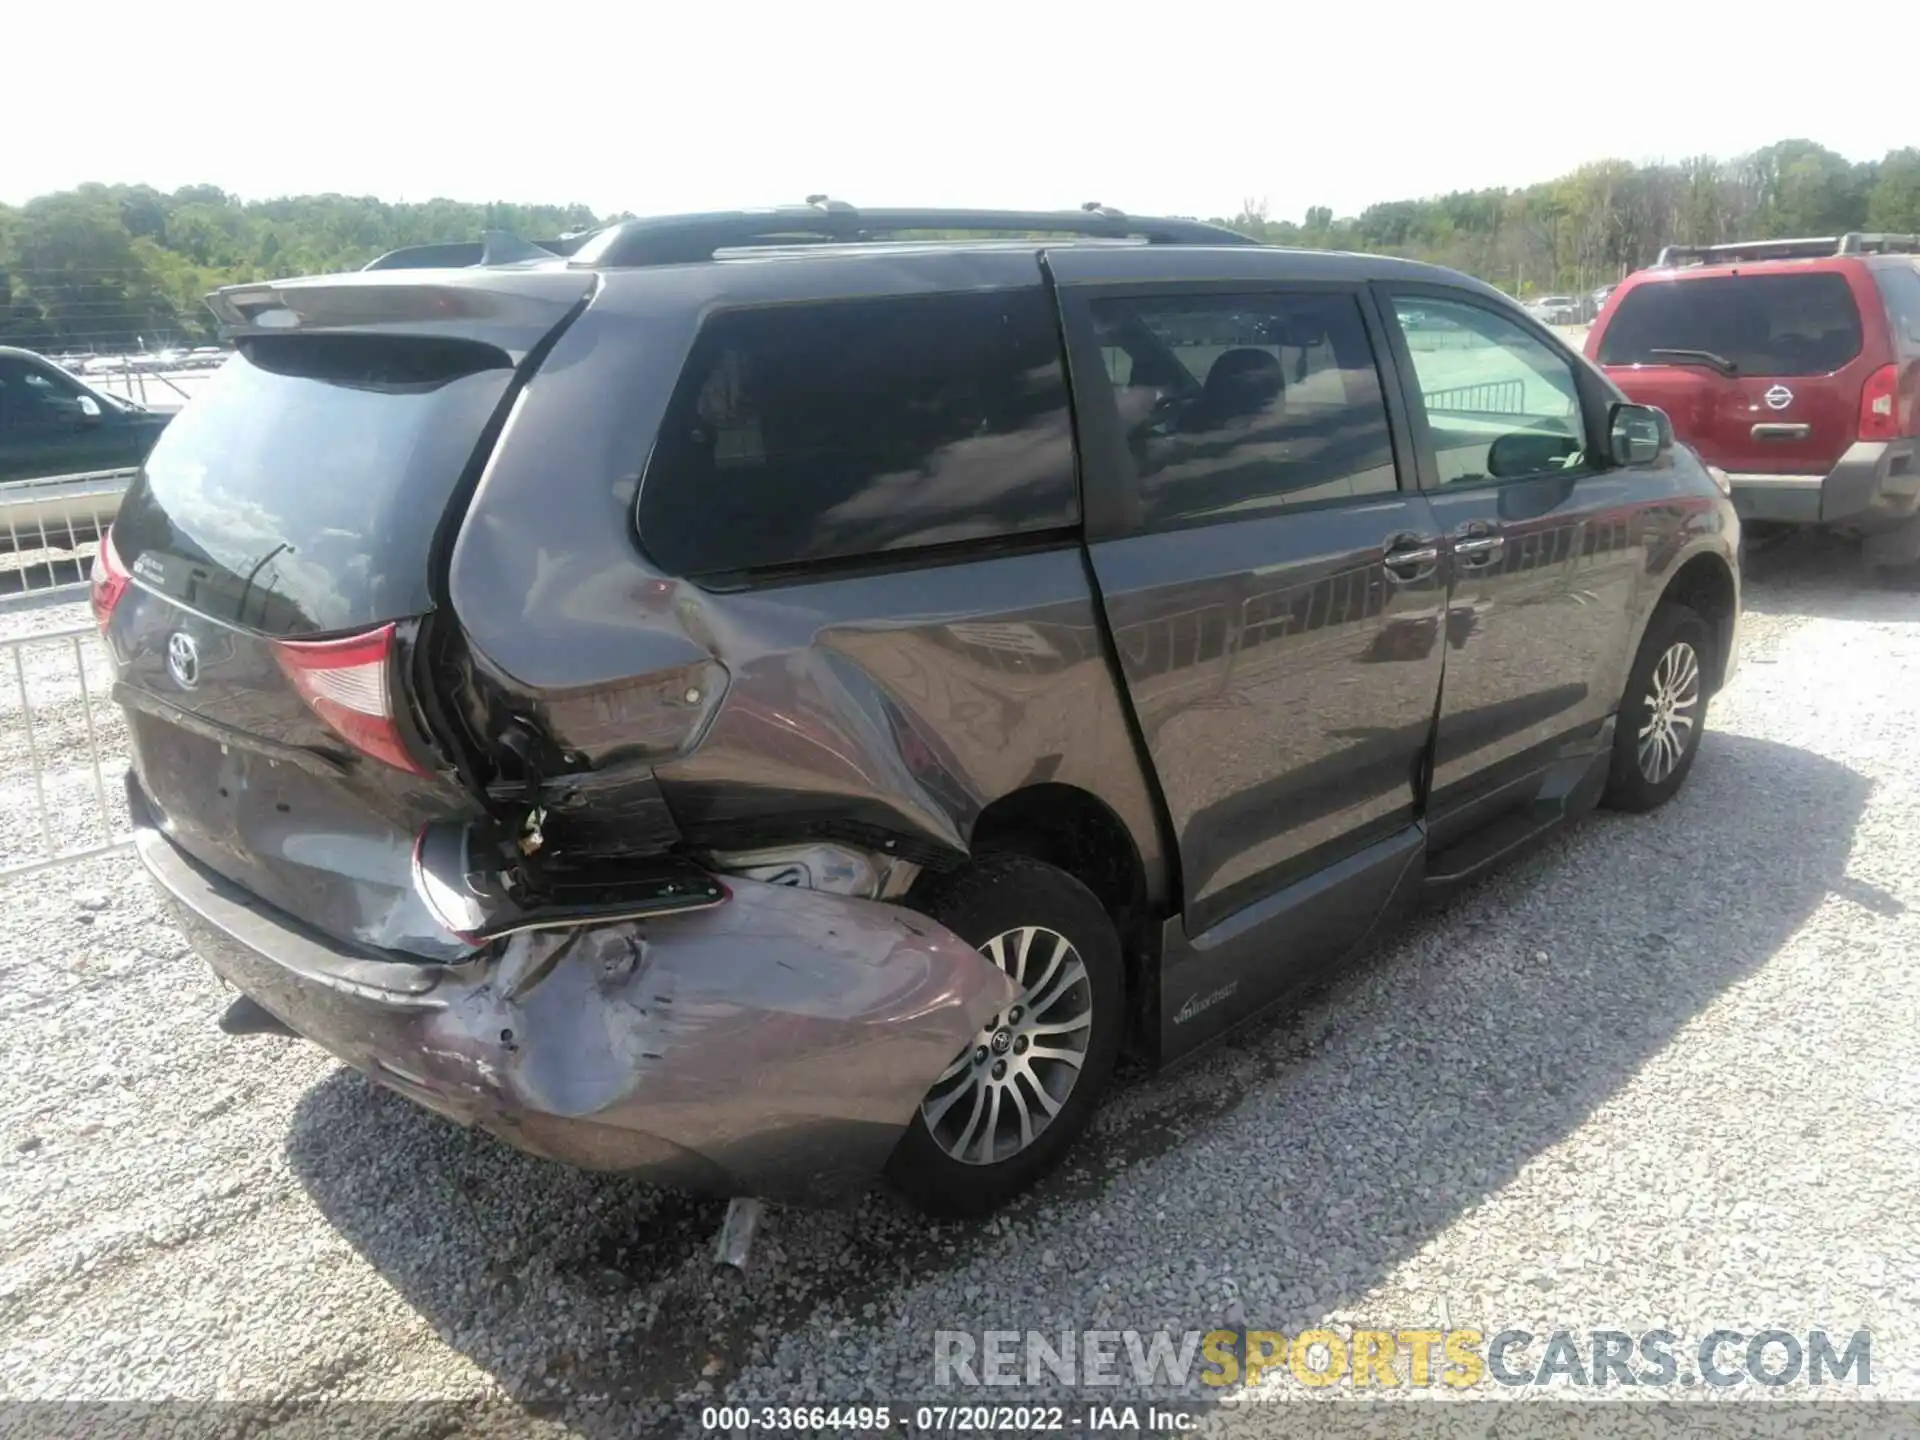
{"x": 764, "y": 719}
{"x": 480, "y": 886}
{"x": 624, "y": 1046}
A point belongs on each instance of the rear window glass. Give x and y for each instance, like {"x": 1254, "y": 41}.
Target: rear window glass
{"x": 300, "y": 491}
{"x": 1762, "y": 324}
{"x": 803, "y": 433}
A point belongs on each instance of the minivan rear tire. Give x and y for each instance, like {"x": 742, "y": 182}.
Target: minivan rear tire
{"x": 1673, "y": 631}
{"x": 1004, "y": 898}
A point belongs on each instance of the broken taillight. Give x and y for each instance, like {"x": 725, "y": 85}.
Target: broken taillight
{"x": 348, "y": 684}
{"x": 109, "y": 581}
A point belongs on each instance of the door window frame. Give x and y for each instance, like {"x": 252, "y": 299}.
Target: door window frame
{"x": 1109, "y": 480}
{"x": 1594, "y": 392}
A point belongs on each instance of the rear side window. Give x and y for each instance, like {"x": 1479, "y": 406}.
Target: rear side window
{"x": 845, "y": 429}
{"x": 1240, "y": 405}
{"x": 1900, "y": 288}
{"x": 1766, "y": 324}
{"x": 300, "y": 492}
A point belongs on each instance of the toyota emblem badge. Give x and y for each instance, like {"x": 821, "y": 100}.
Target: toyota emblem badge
{"x": 183, "y": 660}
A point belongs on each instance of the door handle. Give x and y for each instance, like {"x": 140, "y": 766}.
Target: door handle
{"x": 1411, "y": 558}
{"x": 1782, "y": 432}
{"x": 1478, "y": 550}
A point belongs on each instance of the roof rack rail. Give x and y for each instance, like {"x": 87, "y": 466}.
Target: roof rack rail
{"x": 1854, "y": 242}
{"x": 498, "y": 247}
{"x": 683, "y": 239}
{"x": 1857, "y": 242}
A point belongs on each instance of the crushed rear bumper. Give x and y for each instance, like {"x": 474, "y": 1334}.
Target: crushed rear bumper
{"x": 776, "y": 1045}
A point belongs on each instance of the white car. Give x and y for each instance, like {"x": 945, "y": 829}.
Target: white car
{"x": 1555, "y": 310}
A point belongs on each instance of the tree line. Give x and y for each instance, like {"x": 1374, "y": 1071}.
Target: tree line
{"x": 1607, "y": 219}
{"x": 119, "y": 267}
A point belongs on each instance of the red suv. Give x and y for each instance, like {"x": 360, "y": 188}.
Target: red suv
{"x": 1793, "y": 366}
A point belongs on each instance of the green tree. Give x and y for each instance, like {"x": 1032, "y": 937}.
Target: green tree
{"x": 1895, "y": 202}
{"x": 1807, "y": 189}
{"x": 105, "y": 267}
{"x": 102, "y": 267}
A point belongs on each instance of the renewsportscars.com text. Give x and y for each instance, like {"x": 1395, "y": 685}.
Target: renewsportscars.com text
{"x": 1404, "y": 1359}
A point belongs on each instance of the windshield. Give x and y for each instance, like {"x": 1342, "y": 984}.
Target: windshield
{"x": 1776, "y": 324}
{"x": 301, "y": 490}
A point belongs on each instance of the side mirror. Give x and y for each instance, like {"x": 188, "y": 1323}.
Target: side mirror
{"x": 89, "y": 409}
{"x": 1638, "y": 434}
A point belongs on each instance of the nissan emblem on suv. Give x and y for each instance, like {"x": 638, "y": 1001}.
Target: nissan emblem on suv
{"x": 1778, "y": 398}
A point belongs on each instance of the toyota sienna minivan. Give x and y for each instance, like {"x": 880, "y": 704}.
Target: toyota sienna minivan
{"x": 765, "y": 701}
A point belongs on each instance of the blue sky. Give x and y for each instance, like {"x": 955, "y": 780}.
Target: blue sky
{"x": 1182, "y": 108}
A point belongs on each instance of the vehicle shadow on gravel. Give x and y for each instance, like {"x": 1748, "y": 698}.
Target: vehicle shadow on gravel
{"x": 1417, "y": 1084}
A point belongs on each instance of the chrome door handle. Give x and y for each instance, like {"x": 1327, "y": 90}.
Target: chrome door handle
{"x": 1407, "y": 564}
{"x": 1479, "y": 550}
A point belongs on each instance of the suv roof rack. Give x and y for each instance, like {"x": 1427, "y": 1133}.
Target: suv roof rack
{"x": 682, "y": 239}
{"x": 1854, "y": 242}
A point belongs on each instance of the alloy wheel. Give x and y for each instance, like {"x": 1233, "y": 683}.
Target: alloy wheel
{"x": 1005, "y": 1088}
{"x": 1672, "y": 711}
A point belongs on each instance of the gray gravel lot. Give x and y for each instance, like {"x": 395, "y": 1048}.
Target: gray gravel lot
{"x": 1663, "y": 1074}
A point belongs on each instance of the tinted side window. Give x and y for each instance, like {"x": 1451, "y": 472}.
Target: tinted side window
{"x": 1500, "y": 402}
{"x": 853, "y": 427}
{"x": 1238, "y": 405}
{"x": 1766, "y": 324}
{"x": 1900, "y": 288}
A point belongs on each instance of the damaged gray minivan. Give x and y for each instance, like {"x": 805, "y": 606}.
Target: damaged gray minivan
{"x": 765, "y": 700}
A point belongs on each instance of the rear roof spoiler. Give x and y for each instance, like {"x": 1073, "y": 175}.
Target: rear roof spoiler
{"x": 1854, "y": 242}
{"x": 510, "y": 308}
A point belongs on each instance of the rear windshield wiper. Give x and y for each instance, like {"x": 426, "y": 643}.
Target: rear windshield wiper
{"x": 1699, "y": 357}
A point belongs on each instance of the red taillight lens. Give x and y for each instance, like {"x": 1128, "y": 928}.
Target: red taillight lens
{"x": 346, "y": 683}
{"x": 109, "y": 581}
{"x": 1880, "y": 408}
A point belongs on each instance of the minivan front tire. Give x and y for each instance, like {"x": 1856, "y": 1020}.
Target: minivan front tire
{"x": 1012, "y": 1102}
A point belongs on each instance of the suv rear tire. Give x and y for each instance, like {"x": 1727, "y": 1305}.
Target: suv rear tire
{"x": 1662, "y": 713}
{"x": 1024, "y": 1088}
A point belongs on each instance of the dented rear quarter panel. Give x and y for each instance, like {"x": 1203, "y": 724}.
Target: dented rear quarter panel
{"x": 899, "y": 702}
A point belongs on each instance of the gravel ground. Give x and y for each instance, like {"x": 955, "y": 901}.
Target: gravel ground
{"x": 1662, "y": 1074}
